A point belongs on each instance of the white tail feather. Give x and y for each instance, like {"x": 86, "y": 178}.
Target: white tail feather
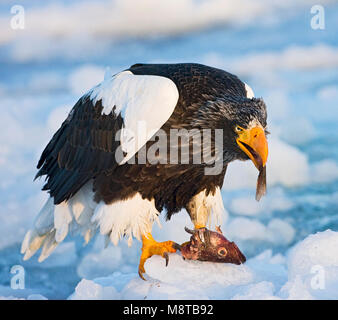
{"x": 31, "y": 244}
{"x": 48, "y": 246}
{"x": 62, "y": 219}
{"x": 45, "y": 219}
{"x": 81, "y": 214}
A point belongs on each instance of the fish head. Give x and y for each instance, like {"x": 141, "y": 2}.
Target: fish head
{"x": 207, "y": 245}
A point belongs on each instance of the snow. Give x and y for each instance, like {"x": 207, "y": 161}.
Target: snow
{"x": 90, "y": 290}
{"x": 110, "y": 259}
{"x": 299, "y": 132}
{"x": 313, "y": 268}
{"x": 276, "y": 200}
{"x": 6, "y": 293}
{"x": 328, "y": 93}
{"x": 325, "y": 171}
{"x": 318, "y": 249}
{"x": 276, "y": 231}
{"x": 259, "y": 291}
{"x": 36, "y": 297}
{"x": 286, "y": 165}
{"x": 265, "y": 276}
{"x": 65, "y": 25}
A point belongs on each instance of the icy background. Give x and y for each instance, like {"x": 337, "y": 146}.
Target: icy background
{"x": 64, "y": 50}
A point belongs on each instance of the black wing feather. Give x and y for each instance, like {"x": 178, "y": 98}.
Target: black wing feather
{"x": 82, "y": 148}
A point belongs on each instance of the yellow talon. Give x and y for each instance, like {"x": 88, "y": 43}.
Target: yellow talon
{"x": 151, "y": 247}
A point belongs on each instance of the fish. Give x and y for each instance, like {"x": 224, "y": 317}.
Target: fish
{"x": 213, "y": 246}
{"x": 261, "y": 183}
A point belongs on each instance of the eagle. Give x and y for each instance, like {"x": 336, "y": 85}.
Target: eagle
{"x": 97, "y": 167}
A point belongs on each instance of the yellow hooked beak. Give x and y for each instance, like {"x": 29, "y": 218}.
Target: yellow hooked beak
{"x": 253, "y": 142}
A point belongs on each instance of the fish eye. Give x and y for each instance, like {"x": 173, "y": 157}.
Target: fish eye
{"x": 222, "y": 252}
{"x": 238, "y": 129}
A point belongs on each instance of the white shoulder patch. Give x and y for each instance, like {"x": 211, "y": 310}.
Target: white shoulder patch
{"x": 145, "y": 103}
{"x": 249, "y": 92}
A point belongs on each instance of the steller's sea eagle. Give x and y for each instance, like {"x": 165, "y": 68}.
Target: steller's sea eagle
{"x": 98, "y": 172}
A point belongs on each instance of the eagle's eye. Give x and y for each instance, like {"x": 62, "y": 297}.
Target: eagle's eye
{"x": 222, "y": 252}
{"x": 238, "y": 129}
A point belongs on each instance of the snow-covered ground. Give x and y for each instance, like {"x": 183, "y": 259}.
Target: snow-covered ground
{"x": 309, "y": 270}
{"x": 269, "y": 45}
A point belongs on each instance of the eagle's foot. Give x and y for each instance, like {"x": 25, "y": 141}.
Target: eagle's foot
{"x": 151, "y": 247}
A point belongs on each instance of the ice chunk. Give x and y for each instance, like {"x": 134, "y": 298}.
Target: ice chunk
{"x": 325, "y": 171}
{"x": 317, "y": 249}
{"x": 100, "y": 263}
{"x": 260, "y": 291}
{"x": 36, "y": 297}
{"x": 313, "y": 268}
{"x": 90, "y": 290}
{"x": 248, "y": 206}
{"x": 277, "y": 231}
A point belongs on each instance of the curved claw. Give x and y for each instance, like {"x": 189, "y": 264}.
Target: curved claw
{"x": 176, "y": 246}
{"x": 201, "y": 235}
{"x": 141, "y": 275}
{"x": 189, "y": 230}
{"x": 218, "y": 229}
{"x": 166, "y": 257}
{"x": 151, "y": 247}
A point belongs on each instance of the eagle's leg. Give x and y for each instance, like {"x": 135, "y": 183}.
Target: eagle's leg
{"x": 198, "y": 211}
{"x": 151, "y": 247}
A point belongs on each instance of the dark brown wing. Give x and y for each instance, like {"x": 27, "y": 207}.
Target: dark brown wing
{"x": 83, "y": 147}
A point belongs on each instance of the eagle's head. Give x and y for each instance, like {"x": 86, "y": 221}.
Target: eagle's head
{"x": 244, "y": 125}
{"x": 245, "y": 129}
